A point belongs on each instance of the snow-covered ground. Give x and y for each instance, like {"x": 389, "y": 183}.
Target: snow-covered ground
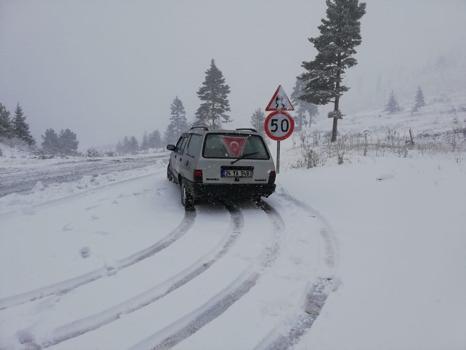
{"x": 365, "y": 255}
{"x": 440, "y": 115}
{"x": 401, "y": 228}
{"x": 20, "y": 171}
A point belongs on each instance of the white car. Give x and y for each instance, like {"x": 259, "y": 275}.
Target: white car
{"x": 221, "y": 163}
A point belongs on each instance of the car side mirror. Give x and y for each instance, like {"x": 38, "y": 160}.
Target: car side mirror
{"x": 171, "y": 147}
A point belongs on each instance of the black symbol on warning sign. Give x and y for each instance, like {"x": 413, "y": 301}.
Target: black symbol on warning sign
{"x": 279, "y": 103}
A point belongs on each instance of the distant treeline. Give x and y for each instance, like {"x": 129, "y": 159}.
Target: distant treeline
{"x": 130, "y": 144}
{"x": 14, "y": 131}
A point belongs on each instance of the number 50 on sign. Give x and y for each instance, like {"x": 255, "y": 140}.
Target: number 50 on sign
{"x": 279, "y": 125}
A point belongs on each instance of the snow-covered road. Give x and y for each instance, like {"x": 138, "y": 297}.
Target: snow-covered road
{"x": 114, "y": 262}
{"x": 123, "y": 266}
{"x": 23, "y": 177}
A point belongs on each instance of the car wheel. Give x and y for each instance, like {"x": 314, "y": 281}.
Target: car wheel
{"x": 169, "y": 174}
{"x": 187, "y": 199}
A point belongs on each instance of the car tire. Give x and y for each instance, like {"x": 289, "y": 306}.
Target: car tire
{"x": 169, "y": 174}
{"x": 187, "y": 198}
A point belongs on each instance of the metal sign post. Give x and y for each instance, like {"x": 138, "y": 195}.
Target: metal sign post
{"x": 278, "y": 157}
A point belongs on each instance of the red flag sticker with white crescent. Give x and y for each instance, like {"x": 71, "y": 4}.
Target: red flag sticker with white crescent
{"x": 235, "y": 145}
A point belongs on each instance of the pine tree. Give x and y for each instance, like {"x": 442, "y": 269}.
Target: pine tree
{"x": 257, "y": 121}
{"x": 340, "y": 33}
{"x": 123, "y": 147}
{"x": 21, "y": 128}
{"x": 68, "y": 142}
{"x": 214, "y": 96}
{"x": 119, "y": 147}
{"x": 6, "y": 128}
{"x": 419, "y": 101}
{"x": 302, "y": 107}
{"x": 155, "y": 140}
{"x": 145, "y": 142}
{"x": 133, "y": 143}
{"x": 392, "y": 105}
{"x": 50, "y": 142}
{"x": 178, "y": 123}
{"x": 126, "y": 145}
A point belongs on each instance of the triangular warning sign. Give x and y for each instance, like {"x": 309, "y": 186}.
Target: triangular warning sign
{"x": 279, "y": 101}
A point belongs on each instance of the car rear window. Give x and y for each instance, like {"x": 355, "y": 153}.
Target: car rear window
{"x": 220, "y": 145}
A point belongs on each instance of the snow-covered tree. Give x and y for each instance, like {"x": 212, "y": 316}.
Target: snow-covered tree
{"x": 21, "y": 128}
{"x": 305, "y": 111}
{"x": 154, "y": 140}
{"x": 419, "y": 100}
{"x": 122, "y": 146}
{"x": 6, "y": 128}
{"x": 214, "y": 99}
{"x": 145, "y": 142}
{"x": 392, "y": 105}
{"x": 50, "y": 142}
{"x": 340, "y": 33}
{"x": 119, "y": 147}
{"x": 134, "y": 144}
{"x": 68, "y": 142}
{"x": 178, "y": 123}
{"x": 257, "y": 121}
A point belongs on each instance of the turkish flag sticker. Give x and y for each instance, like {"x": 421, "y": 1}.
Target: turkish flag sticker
{"x": 235, "y": 145}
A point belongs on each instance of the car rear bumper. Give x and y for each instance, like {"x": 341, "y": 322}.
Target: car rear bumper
{"x": 231, "y": 190}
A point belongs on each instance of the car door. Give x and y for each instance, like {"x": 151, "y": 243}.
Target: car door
{"x": 183, "y": 157}
{"x": 180, "y": 154}
{"x": 176, "y": 156}
{"x": 191, "y": 154}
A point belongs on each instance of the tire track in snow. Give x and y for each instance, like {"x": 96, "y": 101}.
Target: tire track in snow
{"x": 327, "y": 233}
{"x": 93, "y": 322}
{"x": 75, "y": 282}
{"x": 194, "y": 321}
{"x": 83, "y": 193}
{"x": 316, "y": 295}
{"x": 315, "y": 300}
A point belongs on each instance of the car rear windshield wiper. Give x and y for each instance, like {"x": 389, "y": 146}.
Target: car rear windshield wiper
{"x": 243, "y": 156}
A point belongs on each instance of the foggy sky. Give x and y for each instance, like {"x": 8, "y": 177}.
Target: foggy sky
{"x": 109, "y": 68}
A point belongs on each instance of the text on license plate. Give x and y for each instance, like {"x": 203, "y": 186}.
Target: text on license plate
{"x": 236, "y": 173}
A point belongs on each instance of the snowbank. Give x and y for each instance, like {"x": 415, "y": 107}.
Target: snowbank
{"x": 401, "y": 228}
{"x": 45, "y": 194}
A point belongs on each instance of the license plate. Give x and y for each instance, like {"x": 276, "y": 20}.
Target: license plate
{"x": 236, "y": 173}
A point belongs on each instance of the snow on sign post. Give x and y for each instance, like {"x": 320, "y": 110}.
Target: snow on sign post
{"x": 279, "y": 125}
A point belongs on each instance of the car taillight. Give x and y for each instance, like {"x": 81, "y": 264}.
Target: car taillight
{"x": 272, "y": 176}
{"x": 197, "y": 175}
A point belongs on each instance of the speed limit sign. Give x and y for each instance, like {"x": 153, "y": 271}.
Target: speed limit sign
{"x": 279, "y": 125}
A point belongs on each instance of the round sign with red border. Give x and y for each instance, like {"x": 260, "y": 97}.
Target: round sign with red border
{"x": 279, "y": 125}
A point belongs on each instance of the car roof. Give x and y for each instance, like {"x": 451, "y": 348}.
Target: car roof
{"x": 205, "y": 130}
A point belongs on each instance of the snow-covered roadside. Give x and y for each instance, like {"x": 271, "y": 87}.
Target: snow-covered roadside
{"x": 401, "y": 226}
{"x": 440, "y": 115}
{"x": 14, "y": 158}
{"x": 43, "y": 194}
{"x": 22, "y": 176}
